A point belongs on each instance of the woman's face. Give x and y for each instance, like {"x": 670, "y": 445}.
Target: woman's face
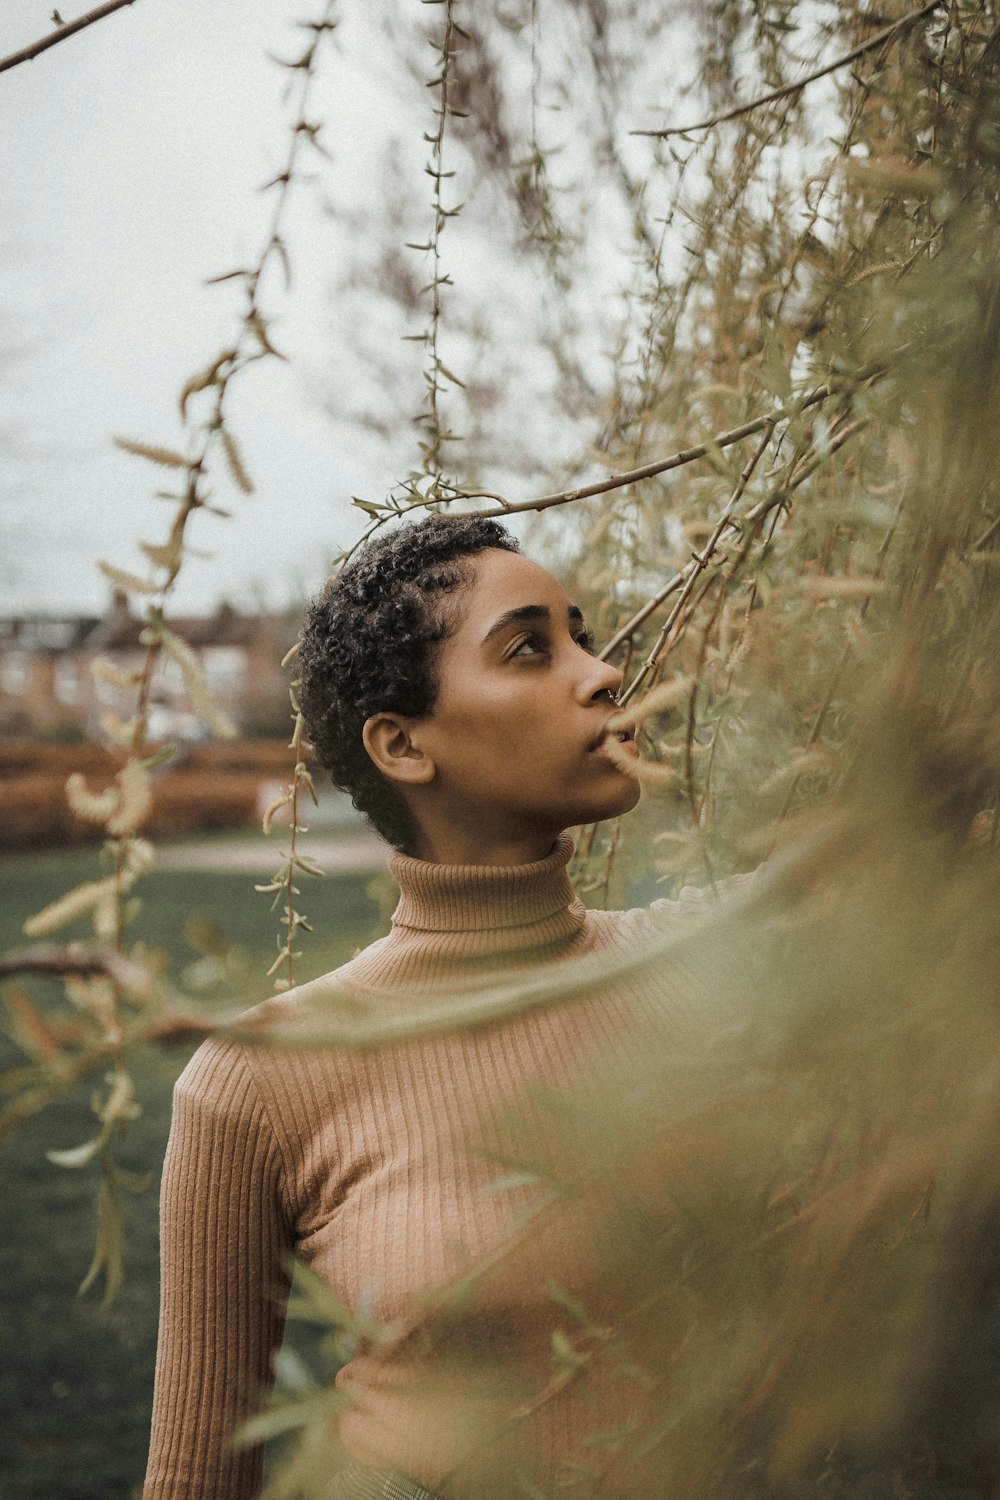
{"x": 516, "y": 733}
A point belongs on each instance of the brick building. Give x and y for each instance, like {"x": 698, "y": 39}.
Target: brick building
{"x": 48, "y": 688}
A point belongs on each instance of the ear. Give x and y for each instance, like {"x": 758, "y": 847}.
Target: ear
{"x": 389, "y": 741}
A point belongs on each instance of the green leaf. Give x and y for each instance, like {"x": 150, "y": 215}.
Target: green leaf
{"x": 76, "y": 1156}
{"x": 515, "y": 1180}
{"x": 716, "y": 458}
{"x": 774, "y": 373}
{"x": 226, "y": 276}
{"x": 563, "y": 1350}
{"x": 131, "y": 1182}
{"x": 293, "y": 1374}
{"x": 576, "y": 1308}
{"x": 109, "y": 1250}
{"x": 166, "y": 457}
{"x": 448, "y": 375}
{"x": 159, "y": 757}
{"x": 284, "y": 1418}
{"x": 234, "y": 458}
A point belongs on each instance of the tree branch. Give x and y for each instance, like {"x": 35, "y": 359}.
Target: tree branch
{"x": 662, "y": 465}
{"x": 800, "y": 83}
{"x": 381, "y": 516}
{"x": 61, "y": 32}
{"x": 699, "y": 562}
{"x": 76, "y": 958}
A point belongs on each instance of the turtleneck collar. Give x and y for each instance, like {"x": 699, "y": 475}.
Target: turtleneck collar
{"x": 486, "y": 910}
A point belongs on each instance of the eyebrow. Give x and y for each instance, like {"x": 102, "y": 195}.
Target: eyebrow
{"x": 530, "y": 614}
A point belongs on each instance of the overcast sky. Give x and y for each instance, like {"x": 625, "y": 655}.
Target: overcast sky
{"x": 129, "y": 159}
{"x": 131, "y": 156}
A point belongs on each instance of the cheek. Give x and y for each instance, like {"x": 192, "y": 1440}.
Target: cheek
{"x": 502, "y": 745}
{"x": 492, "y": 723}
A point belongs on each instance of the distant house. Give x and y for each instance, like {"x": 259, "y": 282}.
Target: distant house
{"x": 48, "y": 686}
{"x": 44, "y": 684}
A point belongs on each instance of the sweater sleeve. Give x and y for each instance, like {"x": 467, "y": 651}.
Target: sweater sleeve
{"x": 225, "y": 1237}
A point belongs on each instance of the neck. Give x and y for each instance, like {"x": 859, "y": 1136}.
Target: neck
{"x": 462, "y": 912}
{"x": 463, "y": 845}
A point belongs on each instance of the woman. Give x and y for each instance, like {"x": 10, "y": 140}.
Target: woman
{"x": 449, "y": 685}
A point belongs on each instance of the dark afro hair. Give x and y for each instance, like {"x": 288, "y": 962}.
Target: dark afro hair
{"x": 368, "y": 645}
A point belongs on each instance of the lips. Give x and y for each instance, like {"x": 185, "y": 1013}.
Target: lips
{"x": 625, "y": 737}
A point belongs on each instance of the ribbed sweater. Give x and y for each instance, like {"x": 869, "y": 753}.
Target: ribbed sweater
{"x": 384, "y": 1171}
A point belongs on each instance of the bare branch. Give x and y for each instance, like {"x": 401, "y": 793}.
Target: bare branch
{"x": 789, "y": 89}
{"x": 642, "y": 615}
{"x": 699, "y": 562}
{"x": 61, "y": 32}
{"x": 871, "y": 371}
{"x": 662, "y": 465}
{"x": 76, "y": 958}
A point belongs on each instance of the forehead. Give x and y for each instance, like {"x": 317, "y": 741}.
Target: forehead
{"x": 505, "y": 580}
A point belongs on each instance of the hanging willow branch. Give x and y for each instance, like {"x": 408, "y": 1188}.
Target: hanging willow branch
{"x": 393, "y": 510}
{"x": 429, "y": 417}
{"x": 102, "y": 979}
{"x": 698, "y": 564}
{"x": 791, "y": 89}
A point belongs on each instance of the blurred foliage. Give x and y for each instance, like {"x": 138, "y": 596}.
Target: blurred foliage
{"x": 820, "y": 266}
{"x": 814, "y": 1306}
{"x": 790, "y": 320}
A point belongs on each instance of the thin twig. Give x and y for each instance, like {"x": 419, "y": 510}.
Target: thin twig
{"x": 824, "y": 708}
{"x": 692, "y": 705}
{"x": 872, "y": 371}
{"x": 663, "y": 465}
{"x": 987, "y": 536}
{"x": 811, "y": 460}
{"x": 640, "y": 617}
{"x": 843, "y": 150}
{"x": 617, "y": 481}
{"x": 699, "y": 562}
{"x": 429, "y": 418}
{"x": 800, "y": 83}
{"x": 61, "y": 32}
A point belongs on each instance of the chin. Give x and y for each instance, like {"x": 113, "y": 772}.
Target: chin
{"x": 629, "y": 798}
{"x": 611, "y": 807}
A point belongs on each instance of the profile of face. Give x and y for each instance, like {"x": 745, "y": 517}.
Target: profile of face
{"x": 513, "y": 751}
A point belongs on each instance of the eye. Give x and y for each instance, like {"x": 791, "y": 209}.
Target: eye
{"x": 585, "y": 641}
{"x": 529, "y": 645}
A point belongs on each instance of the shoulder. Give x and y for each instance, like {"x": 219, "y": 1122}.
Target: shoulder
{"x": 265, "y": 1060}
{"x": 217, "y": 1075}
{"x": 278, "y": 1018}
{"x": 218, "y": 1105}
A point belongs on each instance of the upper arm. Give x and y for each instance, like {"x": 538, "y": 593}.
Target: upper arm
{"x": 225, "y": 1238}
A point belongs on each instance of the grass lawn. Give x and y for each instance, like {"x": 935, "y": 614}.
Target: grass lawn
{"x": 76, "y": 1382}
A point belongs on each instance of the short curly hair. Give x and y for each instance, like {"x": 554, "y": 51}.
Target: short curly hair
{"x": 369, "y": 645}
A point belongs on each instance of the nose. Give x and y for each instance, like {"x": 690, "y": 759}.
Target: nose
{"x": 599, "y": 680}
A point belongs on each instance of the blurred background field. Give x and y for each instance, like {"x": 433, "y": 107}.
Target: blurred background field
{"x": 76, "y": 1383}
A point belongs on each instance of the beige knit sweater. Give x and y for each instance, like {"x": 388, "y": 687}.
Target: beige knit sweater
{"x": 388, "y": 1172}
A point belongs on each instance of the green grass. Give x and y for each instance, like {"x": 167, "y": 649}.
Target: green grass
{"x": 76, "y": 1381}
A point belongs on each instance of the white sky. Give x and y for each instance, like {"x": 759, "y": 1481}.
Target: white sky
{"x": 129, "y": 159}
